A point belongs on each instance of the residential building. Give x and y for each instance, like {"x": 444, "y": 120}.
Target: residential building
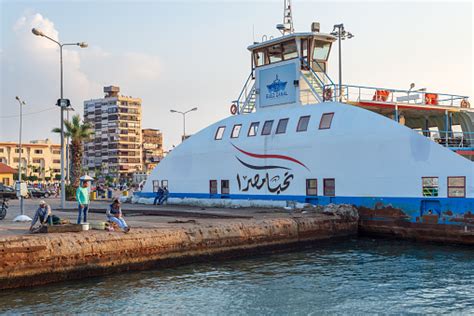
{"x": 152, "y": 148}
{"x": 39, "y": 158}
{"x": 115, "y": 148}
{"x": 6, "y": 174}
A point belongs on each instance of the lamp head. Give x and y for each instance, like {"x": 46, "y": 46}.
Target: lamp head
{"x": 37, "y": 32}
{"x": 82, "y": 45}
{"x": 194, "y": 109}
{"x": 173, "y": 111}
{"x": 18, "y": 98}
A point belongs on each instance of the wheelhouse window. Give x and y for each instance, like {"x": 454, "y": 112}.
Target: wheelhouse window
{"x": 326, "y": 120}
{"x": 303, "y": 124}
{"x": 430, "y": 186}
{"x": 219, "y": 133}
{"x": 253, "y": 129}
{"x": 456, "y": 187}
{"x": 321, "y": 50}
{"x": 164, "y": 184}
{"x": 304, "y": 48}
{"x": 236, "y": 131}
{"x": 275, "y": 53}
{"x": 212, "y": 186}
{"x": 329, "y": 187}
{"x": 289, "y": 50}
{"x": 281, "y": 127}
{"x": 259, "y": 57}
{"x": 225, "y": 187}
{"x": 312, "y": 187}
{"x": 267, "y": 127}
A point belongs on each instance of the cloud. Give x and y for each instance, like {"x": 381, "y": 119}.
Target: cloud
{"x": 30, "y": 69}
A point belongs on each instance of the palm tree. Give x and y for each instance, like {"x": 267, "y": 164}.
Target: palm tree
{"x": 78, "y": 132}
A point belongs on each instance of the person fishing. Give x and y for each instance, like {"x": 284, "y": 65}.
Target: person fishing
{"x": 114, "y": 215}
{"x": 82, "y": 197}
{"x": 44, "y": 215}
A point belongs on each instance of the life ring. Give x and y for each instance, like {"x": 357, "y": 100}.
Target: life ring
{"x": 233, "y": 109}
{"x": 465, "y": 103}
{"x": 327, "y": 95}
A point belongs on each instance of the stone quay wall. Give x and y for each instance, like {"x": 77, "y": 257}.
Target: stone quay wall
{"x": 28, "y": 260}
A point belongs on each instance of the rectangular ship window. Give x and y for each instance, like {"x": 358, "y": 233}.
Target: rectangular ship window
{"x": 236, "y": 131}
{"x": 281, "y": 127}
{"x": 430, "y": 186}
{"x": 219, "y": 133}
{"x": 312, "y": 187}
{"x": 456, "y": 187}
{"x": 267, "y": 127}
{"x": 329, "y": 187}
{"x": 212, "y": 186}
{"x": 253, "y": 129}
{"x": 303, "y": 124}
{"x": 156, "y": 185}
{"x": 326, "y": 120}
{"x": 225, "y": 187}
{"x": 164, "y": 184}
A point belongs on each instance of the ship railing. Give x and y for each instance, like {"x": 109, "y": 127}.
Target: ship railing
{"x": 451, "y": 139}
{"x": 245, "y": 95}
{"x": 354, "y": 93}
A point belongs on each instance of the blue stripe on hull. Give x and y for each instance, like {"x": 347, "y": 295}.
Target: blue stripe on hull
{"x": 456, "y": 211}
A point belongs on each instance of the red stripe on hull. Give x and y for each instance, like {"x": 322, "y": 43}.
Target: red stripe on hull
{"x": 270, "y": 156}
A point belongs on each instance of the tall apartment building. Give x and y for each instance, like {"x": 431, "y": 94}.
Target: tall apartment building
{"x": 40, "y": 158}
{"x": 115, "y": 149}
{"x": 152, "y": 148}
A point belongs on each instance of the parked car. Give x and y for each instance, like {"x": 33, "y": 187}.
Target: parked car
{"x": 7, "y": 192}
{"x": 38, "y": 193}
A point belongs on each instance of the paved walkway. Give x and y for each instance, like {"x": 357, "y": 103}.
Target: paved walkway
{"x": 138, "y": 215}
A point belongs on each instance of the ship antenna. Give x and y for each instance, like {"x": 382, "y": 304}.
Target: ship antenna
{"x": 287, "y": 26}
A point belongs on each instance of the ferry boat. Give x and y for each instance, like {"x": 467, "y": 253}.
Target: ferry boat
{"x": 404, "y": 158}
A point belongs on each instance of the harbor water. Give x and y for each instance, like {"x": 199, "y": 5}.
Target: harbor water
{"x": 348, "y": 276}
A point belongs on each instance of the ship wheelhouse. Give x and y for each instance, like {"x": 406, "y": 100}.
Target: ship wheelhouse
{"x": 296, "y": 45}
{"x": 292, "y": 70}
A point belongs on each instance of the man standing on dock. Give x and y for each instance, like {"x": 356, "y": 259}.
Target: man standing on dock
{"x": 82, "y": 197}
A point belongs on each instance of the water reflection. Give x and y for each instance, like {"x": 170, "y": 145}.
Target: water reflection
{"x": 351, "y": 276}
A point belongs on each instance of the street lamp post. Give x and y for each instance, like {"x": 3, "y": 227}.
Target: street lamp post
{"x": 38, "y": 32}
{"x": 341, "y": 34}
{"x": 184, "y": 119}
{"x": 22, "y": 217}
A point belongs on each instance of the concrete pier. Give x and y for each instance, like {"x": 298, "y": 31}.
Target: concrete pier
{"x": 176, "y": 235}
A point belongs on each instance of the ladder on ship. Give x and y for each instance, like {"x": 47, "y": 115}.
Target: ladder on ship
{"x": 246, "y": 101}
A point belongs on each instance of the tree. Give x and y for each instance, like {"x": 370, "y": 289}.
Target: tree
{"x": 78, "y": 132}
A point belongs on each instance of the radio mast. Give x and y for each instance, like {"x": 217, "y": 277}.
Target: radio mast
{"x": 287, "y": 26}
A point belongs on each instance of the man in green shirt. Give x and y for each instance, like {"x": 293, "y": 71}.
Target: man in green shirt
{"x": 82, "y": 197}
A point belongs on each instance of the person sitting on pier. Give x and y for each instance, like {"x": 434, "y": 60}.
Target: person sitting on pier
{"x": 164, "y": 196}
{"x": 114, "y": 215}
{"x": 44, "y": 215}
{"x": 159, "y": 196}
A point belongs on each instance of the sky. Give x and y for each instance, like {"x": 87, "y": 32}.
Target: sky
{"x": 184, "y": 54}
